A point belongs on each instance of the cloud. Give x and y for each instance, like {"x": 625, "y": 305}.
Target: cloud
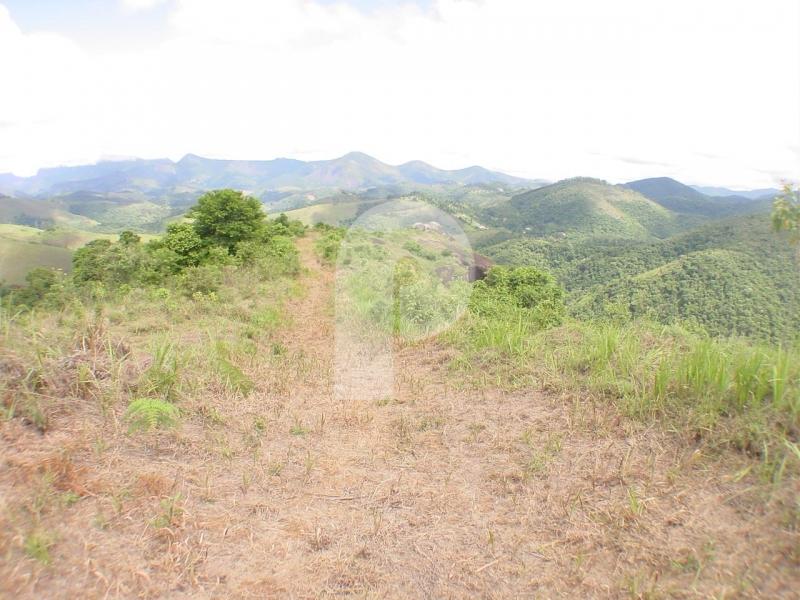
{"x": 541, "y": 89}
{"x": 137, "y": 5}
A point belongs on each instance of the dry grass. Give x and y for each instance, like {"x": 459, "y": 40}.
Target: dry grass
{"x": 439, "y": 491}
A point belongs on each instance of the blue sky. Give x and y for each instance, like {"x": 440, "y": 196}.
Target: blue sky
{"x": 90, "y": 22}
{"x": 706, "y": 92}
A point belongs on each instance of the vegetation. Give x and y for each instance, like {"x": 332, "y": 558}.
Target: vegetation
{"x": 786, "y": 212}
{"x": 583, "y": 208}
{"x": 728, "y": 392}
{"x": 228, "y": 229}
{"x": 730, "y": 277}
{"x": 683, "y": 199}
{"x": 613, "y": 379}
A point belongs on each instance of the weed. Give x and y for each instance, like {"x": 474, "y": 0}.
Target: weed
{"x": 162, "y": 378}
{"x": 38, "y": 544}
{"x": 298, "y": 428}
{"x": 171, "y": 512}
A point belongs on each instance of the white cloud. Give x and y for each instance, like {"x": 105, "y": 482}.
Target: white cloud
{"x": 539, "y": 89}
{"x": 136, "y": 5}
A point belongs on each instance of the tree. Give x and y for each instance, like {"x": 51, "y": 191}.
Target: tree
{"x": 184, "y": 240}
{"x": 786, "y": 212}
{"x": 128, "y": 238}
{"x": 91, "y": 262}
{"x": 227, "y": 217}
{"x": 41, "y": 282}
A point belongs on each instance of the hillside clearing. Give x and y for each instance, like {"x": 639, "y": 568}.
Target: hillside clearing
{"x": 446, "y": 489}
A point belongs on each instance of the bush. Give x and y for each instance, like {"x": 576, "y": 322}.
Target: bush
{"x": 45, "y": 286}
{"x": 203, "y": 279}
{"x": 277, "y": 256}
{"x": 506, "y": 290}
{"x": 327, "y": 246}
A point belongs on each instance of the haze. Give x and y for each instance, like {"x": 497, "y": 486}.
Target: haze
{"x": 706, "y": 92}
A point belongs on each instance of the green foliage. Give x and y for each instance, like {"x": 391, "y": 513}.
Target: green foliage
{"x": 416, "y": 248}
{"x": 145, "y": 414}
{"x": 202, "y": 279}
{"x": 730, "y": 391}
{"x": 101, "y": 261}
{"x": 191, "y": 256}
{"x": 184, "y": 240}
{"x": 233, "y": 378}
{"x": 732, "y": 277}
{"x": 162, "y": 376}
{"x": 275, "y": 256}
{"x": 786, "y": 212}
{"x": 327, "y": 245}
{"x": 582, "y": 208}
{"x": 44, "y": 287}
{"x": 509, "y": 289}
{"x": 37, "y": 546}
{"x": 128, "y": 238}
{"x": 227, "y": 217}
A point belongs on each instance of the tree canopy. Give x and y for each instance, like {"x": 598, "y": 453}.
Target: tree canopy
{"x": 227, "y": 217}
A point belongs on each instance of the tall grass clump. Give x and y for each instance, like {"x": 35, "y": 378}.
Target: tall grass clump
{"x": 727, "y": 391}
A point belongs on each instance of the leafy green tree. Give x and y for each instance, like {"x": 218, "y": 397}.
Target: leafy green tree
{"x": 184, "y": 240}
{"x": 101, "y": 261}
{"x": 786, "y": 212}
{"x": 42, "y": 283}
{"x": 227, "y": 217}
{"x": 90, "y": 262}
{"x": 128, "y": 238}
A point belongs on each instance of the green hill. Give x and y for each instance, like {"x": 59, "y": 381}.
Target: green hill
{"x": 681, "y": 198}
{"x": 583, "y": 208}
{"x": 733, "y": 277}
{"x": 17, "y": 257}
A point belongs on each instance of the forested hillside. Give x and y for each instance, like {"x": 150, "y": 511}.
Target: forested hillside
{"x": 681, "y": 198}
{"x": 733, "y": 277}
{"x": 581, "y": 208}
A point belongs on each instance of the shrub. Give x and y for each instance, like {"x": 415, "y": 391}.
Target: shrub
{"x": 508, "y": 289}
{"x": 327, "y": 246}
{"x": 273, "y": 257}
{"x": 204, "y": 279}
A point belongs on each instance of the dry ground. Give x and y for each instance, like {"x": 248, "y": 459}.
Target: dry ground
{"x": 444, "y": 490}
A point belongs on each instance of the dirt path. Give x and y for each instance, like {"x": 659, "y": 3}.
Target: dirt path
{"x": 436, "y": 492}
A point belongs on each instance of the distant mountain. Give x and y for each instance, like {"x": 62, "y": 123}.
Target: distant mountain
{"x": 681, "y": 198}
{"x": 721, "y": 191}
{"x": 582, "y": 207}
{"x": 353, "y": 171}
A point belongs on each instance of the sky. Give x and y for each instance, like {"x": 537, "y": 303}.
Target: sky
{"x": 706, "y": 92}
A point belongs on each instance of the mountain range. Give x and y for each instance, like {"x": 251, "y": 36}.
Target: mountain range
{"x": 353, "y": 171}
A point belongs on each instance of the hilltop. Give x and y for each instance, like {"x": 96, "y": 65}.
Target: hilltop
{"x": 582, "y": 207}
{"x": 682, "y": 198}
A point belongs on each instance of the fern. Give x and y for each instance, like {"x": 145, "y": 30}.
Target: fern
{"x": 144, "y": 414}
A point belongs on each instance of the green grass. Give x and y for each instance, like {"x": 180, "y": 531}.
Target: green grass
{"x": 330, "y": 213}
{"x": 18, "y": 257}
{"x": 727, "y": 391}
{"x": 23, "y": 248}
